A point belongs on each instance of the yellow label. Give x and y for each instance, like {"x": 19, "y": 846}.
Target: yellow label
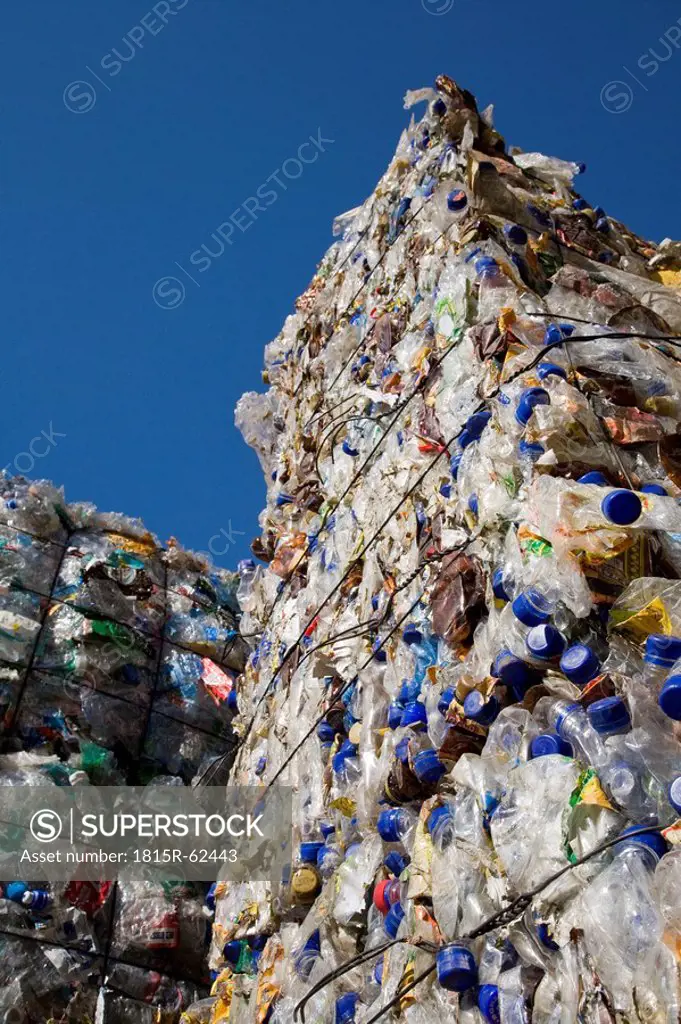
{"x": 407, "y": 978}
{"x": 345, "y": 805}
{"x": 224, "y": 990}
{"x": 144, "y": 546}
{"x": 506, "y": 319}
{"x": 672, "y": 278}
{"x": 652, "y": 618}
{"x": 592, "y": 793}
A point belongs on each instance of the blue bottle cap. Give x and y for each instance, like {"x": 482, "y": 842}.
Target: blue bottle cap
{"x": 488, "y": 1003}
{"x": 402, "y": 750}
{"x": 456, "y": 968}
{"x": 621, "y": 507}
{"x": 232, "y": 951}
{"x": 515, "y": 234}
{"x": 531, "y": 607}
{"x": 476, "y": 423}
{"x": 553, "y": 335}
{"x": 473, "y": 504}
{"x": 428, "y": 768}
{"x": 529, "y": 398}
{"x": 580, "y": 664}
{"x": 345, "y": 1008}
{"x": 594, "y": 477}
{"x": 380, "y": 654}
{"x": 512, "y": 671}
{"x": 446, "y": 698}
{"x": 262, "y": 764}
{"x": 603, "y": 224}
{"x": 655, "y": 489}
{"x": 485, "y": 264}
{"x": 606, "y": 257}
{"x": 653, "y": 840}
{"x": 544, "y": 936}
{"x": 580, "y": 204}
{"x": 437, "y": 816}
{"x": 395, "y": 712}
{"x": 454, "y": 464}
{"x": 567, "y": 329}
{"x": 480, "y": 710}
{"x": 675, "y": 794}
{"x": 549, "y": 743}
{"x": 581, "y": 168}
{"x": 545, "y": 642}
{"x": 409, "y": 690}
{"x": 545, "y": 370}
{"x": 14, "y": 891}
{"x": 661, "y": 650}
{"x": 309, "y": 852}
{"x": 327, "y": 828}
{"x": 670, "y": 698}
{"x": 232, "y": 703}
{"x": 349, "y": 450}
{"x": 245, "y": 565}
{"x": 392, "y": 824}
{"x": 338, "y": 763}
{"x": 412, "y": 635}
{"x": 531, "y": 449}
{"x": 439, "y": 107}
{"x": 446, "y": 490}
{"x": 414, "y": 714}
{"x": 348, "y": 749}
{"x": 498, "y": 585}
{"x": 457, "y": 200}
{"x": 395, "y": 863}
{"x": 609, "y": 715}
{"x": 393, "y": 920}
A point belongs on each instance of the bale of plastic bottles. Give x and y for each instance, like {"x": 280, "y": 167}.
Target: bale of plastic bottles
{"x": 118, "y": 665}
{"x": 468, "y": 623}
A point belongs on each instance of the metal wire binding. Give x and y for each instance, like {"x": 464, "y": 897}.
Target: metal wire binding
{"x": 502, "y": 918}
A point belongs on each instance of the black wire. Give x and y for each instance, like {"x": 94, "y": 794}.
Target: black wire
{"x": 502, "y": 918}
{"x": 357, "y": 961}
{"x": 95, "y": 613}
{"x": 346, "y": 686}
{"x": 34, "y": 649}
{"x": 447, "y": 444}
{"x": 401, "y": 993}
{"x": 399, "y": 409}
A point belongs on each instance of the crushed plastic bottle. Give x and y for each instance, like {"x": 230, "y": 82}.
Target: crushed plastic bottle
{"x": 474, "y": 527}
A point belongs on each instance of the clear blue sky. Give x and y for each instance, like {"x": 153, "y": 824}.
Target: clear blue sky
{"x": 96, "y": 205}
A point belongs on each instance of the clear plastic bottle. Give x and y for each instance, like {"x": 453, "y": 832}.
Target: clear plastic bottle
{"x": 531, "y": 607}
{"x": 622, "y": 925}
{"x": 661, "y": 653}
{"x": 571, "y": 722}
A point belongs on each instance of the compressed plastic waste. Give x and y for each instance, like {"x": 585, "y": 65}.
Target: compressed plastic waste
{"x": 118, "y": 665}
{"x": 466, "y": 662}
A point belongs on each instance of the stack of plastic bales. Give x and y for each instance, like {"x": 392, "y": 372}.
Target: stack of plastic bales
{"x": 469, "y": 622}
{"x": 118, "y": 663}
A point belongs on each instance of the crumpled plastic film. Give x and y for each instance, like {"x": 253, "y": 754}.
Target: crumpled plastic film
{"x": 466, "y": 625}
{"x": 119, "y": 661}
